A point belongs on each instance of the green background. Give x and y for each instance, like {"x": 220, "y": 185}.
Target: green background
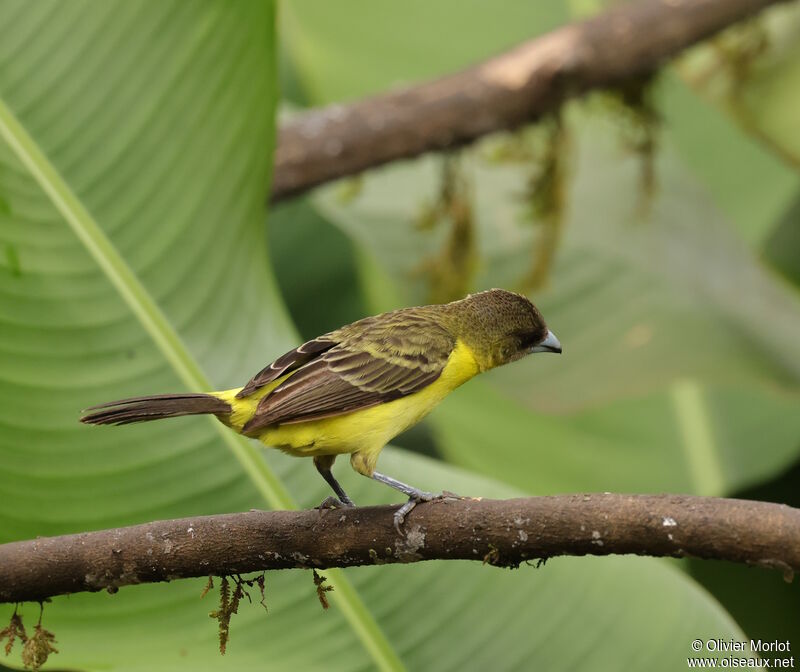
{"x": 135, "y": 257}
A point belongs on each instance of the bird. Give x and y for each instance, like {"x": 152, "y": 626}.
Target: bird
{"x": 352, "y": 390}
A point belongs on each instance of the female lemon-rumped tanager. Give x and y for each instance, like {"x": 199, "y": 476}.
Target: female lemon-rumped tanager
{"x": 354, "y": 389}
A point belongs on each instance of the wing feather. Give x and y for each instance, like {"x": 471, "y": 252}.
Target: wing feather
{"x": 292, "y": 360}
{"x": 374, "y": 361}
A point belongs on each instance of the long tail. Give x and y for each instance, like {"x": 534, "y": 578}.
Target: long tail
{"x": 155, "y": 407}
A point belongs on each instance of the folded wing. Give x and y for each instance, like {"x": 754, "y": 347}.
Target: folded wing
{"x": 287, "y": 363}
{"x": 370, "y": 362}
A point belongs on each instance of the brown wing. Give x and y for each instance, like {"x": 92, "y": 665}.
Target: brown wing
{"x": 292, "y": 360}
{"x": 376, "y": 360}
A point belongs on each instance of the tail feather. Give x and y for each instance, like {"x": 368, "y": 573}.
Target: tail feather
{"x": 155, "y": 407}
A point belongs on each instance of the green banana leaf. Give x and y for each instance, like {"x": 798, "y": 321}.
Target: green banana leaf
{"x": 134, "y": 164}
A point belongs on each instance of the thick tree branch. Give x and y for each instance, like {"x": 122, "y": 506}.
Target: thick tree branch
{"x": 500, "y": 532}
{"x": 503, "y": 93}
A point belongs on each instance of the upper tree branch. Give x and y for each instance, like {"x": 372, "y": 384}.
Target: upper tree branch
{"x": 502, "y": 93}
{"x": 501, "y": 532}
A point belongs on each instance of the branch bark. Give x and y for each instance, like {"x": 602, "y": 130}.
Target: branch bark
{"x": 499, "y": 532}
{"x": 502, "y": 93}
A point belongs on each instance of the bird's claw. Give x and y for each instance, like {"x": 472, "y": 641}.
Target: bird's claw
{"x": 333, "y": 503}
{"x": 418, "y": 497}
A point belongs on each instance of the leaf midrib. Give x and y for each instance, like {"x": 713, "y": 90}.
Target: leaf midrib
{"x": 168, "y": 341}
{"x": 700, "y": 450}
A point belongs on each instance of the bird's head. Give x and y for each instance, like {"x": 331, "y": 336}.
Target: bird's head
{"x": 501, "y": 326}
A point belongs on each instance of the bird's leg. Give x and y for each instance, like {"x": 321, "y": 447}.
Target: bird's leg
{"x": 323, "y": 463}
{"x": 415, "y": 496}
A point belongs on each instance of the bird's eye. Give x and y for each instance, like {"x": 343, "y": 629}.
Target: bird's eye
{"x": 528, "y": 340}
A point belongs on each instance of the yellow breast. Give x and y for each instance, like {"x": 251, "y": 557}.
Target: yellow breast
{"x": 366, "y": 430}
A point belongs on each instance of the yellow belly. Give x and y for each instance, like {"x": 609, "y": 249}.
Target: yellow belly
{"x": 365, "y": 431}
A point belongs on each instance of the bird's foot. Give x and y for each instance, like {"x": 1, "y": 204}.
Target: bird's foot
{"x": 414, "y": 498}
{"x": 333, "y": 503}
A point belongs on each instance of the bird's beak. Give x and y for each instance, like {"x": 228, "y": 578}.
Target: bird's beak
{"x": 549, "y": 344}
